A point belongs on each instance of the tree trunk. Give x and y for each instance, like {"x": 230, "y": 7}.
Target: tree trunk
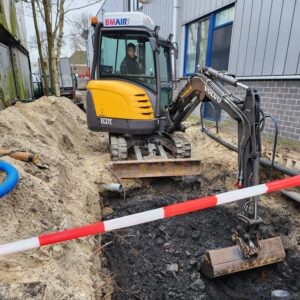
{"x": 55, "y": 67}
{"x": 38, "y": 39}
{"x": 50, "y": 40}
{"x": 60, "y": 16}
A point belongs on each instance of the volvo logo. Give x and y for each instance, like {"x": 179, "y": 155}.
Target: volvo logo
{"x": 213, "y": 94}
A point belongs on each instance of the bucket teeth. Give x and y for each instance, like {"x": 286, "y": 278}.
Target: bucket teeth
{"x": 229, "y": 260}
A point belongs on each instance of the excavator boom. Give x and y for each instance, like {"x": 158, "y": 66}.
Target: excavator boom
{"x": 249, "y": 252}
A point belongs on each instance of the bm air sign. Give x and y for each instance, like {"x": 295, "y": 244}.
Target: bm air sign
{"x": 116, "y": 22}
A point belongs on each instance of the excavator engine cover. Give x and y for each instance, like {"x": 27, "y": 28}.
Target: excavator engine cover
{"x": 229, "y": 260}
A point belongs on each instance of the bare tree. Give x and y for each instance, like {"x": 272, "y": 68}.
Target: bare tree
{"x": 79, "y": 32}
{"x": 39, "y": 45}
{"x": 53, "y": 13}
{"x": 53, "y": 46}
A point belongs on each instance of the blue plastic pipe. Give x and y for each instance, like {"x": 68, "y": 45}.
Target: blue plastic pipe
{"x": 11, "y": 180}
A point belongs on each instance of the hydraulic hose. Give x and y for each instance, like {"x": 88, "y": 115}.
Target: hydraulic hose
{"x": 263, "y": 161}
{"x": 11, "y": 179}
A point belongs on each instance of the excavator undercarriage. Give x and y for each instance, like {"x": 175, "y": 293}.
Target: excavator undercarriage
{"x": 158, "y": 155}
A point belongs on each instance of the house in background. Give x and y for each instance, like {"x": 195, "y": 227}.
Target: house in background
{"x": 78, "y": 61}
{"x": 15, "y": 71}
{"x": 257, "y": 40}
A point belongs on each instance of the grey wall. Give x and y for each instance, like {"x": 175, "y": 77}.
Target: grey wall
{"x": 161, "y": 11}
{"x": 193, "y": 9}
{"x": 109, "y": 6}
{"x": 281, "y": 100}
{"x": 162, "y": 14}
{"x": 265, "y": 38}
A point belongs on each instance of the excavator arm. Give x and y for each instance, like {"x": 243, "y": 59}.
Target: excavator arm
{"x": 203, "y": 86}
{"x": 208, "y": 86}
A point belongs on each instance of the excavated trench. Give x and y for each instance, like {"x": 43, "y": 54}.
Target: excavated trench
{"x": 161, "y": 260}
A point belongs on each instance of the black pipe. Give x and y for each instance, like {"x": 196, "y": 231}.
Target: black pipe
{"x": 96, "y": 49}
{"x": 275, "y": 140}
{"x": 263, "y": 161}
{"x": 292, "y": 195}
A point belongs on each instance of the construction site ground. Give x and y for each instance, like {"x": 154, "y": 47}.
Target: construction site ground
{"x": 159, "y": 260}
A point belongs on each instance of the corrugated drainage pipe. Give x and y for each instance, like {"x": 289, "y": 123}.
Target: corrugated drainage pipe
{"x": 263, "y": 161}
{"x": 113, "y": 187}
{"x": 11, "y": 179}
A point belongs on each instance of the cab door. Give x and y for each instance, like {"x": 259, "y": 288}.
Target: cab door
{"x": 166, "y": 87}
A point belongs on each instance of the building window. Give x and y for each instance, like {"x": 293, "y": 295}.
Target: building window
{"x": 221, "y": 37}
{"x": 192, "y": 35}
{"x": 207, "y": 41}
{"x": 208, "y": 44}
{"x": 203, "y": 42}
{"x": 225, "y": 16}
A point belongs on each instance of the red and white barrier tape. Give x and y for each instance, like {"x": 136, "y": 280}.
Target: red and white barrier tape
{"x": 148, "y": 216}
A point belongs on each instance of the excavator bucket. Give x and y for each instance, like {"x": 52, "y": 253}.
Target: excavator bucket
{"x": 229, "y": 260}
{"x": 156, "y": 168}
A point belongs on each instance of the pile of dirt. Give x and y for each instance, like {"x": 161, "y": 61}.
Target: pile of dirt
{"x": 214, "y": 157}
{"x": 159, "y": 260}
{"x": 65, "y": 195}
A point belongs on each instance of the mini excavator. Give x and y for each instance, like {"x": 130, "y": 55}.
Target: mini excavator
{"x": 145, "y": 122}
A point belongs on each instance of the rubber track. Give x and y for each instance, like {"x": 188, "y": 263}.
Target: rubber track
{"x": 118, "y": 148}
{"x": 182, "y": 145}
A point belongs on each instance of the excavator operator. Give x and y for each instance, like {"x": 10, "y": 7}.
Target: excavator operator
{"x": 129, "y": 64}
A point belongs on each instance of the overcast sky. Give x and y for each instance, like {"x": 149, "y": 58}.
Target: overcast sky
{"x": 67, "y": 49}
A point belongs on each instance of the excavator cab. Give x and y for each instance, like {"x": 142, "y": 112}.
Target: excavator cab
{"x": 133, "y": 76}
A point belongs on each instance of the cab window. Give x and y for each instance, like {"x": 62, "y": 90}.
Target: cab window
{"x": 127, "y": 56}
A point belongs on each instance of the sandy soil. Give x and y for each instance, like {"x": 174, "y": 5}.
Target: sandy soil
{"x": 64, "y": 196}
{"x": 67, "y": 195}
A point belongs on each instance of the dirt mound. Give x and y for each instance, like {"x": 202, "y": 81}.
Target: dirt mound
{"x": 212, "y": 155}
{"x": 142, "y": 258}
{"x": 63, "y": 196}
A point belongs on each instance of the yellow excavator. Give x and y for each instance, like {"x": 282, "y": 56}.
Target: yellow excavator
{"x": 130, "y": 96}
